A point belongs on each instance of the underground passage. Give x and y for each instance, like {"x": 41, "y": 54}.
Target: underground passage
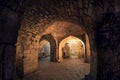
{"x": 59, "y": 40}
{"x": 44, "y": 50}
{"x": 59, "y": 45}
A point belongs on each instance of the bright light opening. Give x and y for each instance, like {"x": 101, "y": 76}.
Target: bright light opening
{"x": 71, "y": 47}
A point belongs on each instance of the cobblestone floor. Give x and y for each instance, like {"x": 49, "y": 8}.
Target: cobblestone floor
{"x": 68, "y": 69}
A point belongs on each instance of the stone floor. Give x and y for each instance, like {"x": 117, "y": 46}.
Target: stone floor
{"x": 68, "y": 69}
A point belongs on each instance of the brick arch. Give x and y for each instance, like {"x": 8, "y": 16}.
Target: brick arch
{"x": 69, "y": 20}
{"x": 52, "y": 42}
{"x": 81, "y": 37}
{"x": 81, "y": 40}
{"x": 92, "y": 57}
{"x": 9, "y": 43}
{"x": 75, "y": 25}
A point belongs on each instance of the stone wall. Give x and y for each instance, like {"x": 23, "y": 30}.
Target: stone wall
{"x": 108, "y": 47}
{"x": 107, "y": 37}
{"x": 38, "y": 17}
{"x": 88, "y": 51}
{"x": 10, "y": 18}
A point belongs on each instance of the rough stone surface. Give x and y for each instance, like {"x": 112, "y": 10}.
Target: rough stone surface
{"x": 9, "y": 62}
{"x": 108, "y": 47}
{"x": 69, "y": 69}
{"x": 9, "y": 24}
{"x": 38, "y": 17}
{"x": 107, "y": 38}
{"x": 39, "y": 14}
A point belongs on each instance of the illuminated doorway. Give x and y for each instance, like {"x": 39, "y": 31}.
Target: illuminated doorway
{"x": 44, "y": 51}
{"x": 72, "y": 47}
{"x": 44, "y": 54}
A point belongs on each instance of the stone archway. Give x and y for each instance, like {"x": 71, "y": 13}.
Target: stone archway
{"x": 64, "y": 40}
{"x": 44, "y": 50}
{"x": 7, "y": 42}
{"x": 3, "y": 43}
{"x": 51, "y": 39}
{"x": 86, "y": 37}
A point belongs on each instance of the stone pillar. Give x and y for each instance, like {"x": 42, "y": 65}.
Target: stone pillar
{"x": 87, "y": 48}
{"x": 93, "y": 62}
{"x": 86, "y": 57}
{"x": 19, "y": 62}
{"x": 9, "y": 26}
{"x": 53, "y": 54}
{"x": 8, "y": 62}
{"x": 57, "y": 52}
{"x": 1, "y": 54}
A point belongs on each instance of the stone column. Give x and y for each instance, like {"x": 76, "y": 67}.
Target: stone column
{"x": 8, "y": 62}
{"x": 19, "y": 62}
{"x": 93, "y": 62}
{"x": 57, "y": 52}
{"x": 87, "y": 48}
{"x": 86, "y": 56}
{"x": 53, "y": 51}
{"x": 53, "y": 55}
{"x": 1, "y": 51}
{"x": 9, "y": 26}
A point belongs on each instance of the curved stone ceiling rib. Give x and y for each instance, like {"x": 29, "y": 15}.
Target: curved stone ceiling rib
{"x": 60, "y": 29}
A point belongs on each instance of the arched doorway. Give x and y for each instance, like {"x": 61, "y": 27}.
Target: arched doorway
{"x": 53, "y": 36}
{"x": 44, "y": 51}
{"x": 52, "y": 43}
{"x": 72, "y": 47}
{"x": 44, "y": 54}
